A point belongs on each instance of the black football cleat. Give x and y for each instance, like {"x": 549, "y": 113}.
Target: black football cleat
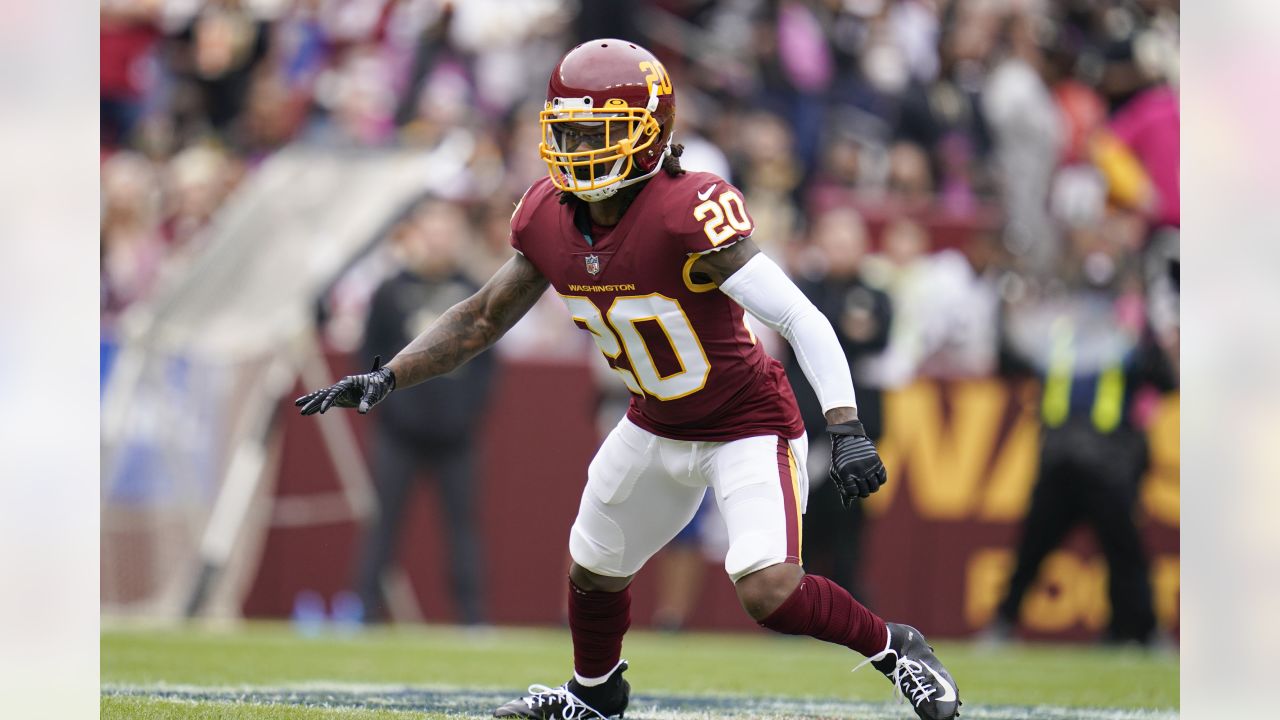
{"x": 572, "y": 701}
{"x": 916, "y": 672}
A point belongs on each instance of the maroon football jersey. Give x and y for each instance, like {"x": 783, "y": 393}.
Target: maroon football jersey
{"x": 682, "y": 347}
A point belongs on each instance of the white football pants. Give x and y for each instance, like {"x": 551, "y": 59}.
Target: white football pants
{"x": 642, "y": 489}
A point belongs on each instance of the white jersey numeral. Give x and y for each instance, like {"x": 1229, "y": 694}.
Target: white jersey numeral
{"x": 616, "y": 331}
{"x": 727, "y": 207}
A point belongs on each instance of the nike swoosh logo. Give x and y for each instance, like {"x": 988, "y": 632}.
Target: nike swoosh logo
{"x": 950, "y": 692}
{"x": 707, "y": 194}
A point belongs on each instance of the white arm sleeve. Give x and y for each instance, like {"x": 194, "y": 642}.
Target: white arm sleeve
{"x": 766, "y": 292}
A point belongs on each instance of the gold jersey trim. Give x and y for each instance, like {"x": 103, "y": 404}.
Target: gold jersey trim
{"x": 623, "y": 287}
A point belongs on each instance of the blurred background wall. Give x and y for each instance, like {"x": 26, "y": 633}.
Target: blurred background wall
{"x": 1004, "y": 171}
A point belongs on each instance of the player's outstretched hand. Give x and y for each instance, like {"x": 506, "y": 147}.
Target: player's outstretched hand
{"x": 358, "y": 391}
{"x": 855, "y": 465}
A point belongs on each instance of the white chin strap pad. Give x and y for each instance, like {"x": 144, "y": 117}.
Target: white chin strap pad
{"x": 610, "y": 190}
{"x": 598, "y": 194}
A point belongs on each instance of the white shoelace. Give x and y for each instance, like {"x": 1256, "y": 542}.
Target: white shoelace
{"x": 908, "y": 677}
{"x": 573, "y": 709}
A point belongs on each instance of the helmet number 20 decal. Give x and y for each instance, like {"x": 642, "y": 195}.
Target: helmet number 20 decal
{"x": 657, "y": 80}
{"x": 616, "y": 331}
{"x": 724, "y": 217}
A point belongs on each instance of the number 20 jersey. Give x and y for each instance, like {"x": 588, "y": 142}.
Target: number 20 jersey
{"x": 681, "y": 346}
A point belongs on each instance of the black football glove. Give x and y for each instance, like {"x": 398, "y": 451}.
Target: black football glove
{"x": 855, "y": 465}
{"x": 358, "y": 391}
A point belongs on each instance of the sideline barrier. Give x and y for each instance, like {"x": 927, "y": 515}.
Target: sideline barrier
{"x": 961, "y": 459}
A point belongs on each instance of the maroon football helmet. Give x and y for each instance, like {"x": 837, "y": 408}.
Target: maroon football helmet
{"x": 610, "y": 109}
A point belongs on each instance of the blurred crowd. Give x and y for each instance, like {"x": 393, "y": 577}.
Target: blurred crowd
{"x": 964, "y": 187}
{"x": 966, "y": 157}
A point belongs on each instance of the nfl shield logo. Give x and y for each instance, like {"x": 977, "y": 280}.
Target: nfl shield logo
{"x": 593, "y": 264}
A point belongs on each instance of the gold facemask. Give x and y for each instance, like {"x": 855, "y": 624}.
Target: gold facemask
{"x": 624, "y": 130}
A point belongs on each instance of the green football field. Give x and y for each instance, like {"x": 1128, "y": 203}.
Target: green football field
{"x": 260, "y": 671}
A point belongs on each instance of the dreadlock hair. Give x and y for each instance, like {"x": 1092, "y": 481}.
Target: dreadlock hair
{"x": 670, "y": 165}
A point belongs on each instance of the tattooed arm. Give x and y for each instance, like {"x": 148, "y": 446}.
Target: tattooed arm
{"x": 460, "y": 334}
{"x": 471, "y": 326}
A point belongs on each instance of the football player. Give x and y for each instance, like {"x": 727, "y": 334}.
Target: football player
{"x": 659, "y": 266}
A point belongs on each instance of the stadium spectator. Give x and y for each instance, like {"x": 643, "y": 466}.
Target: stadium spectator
{"x": 434, "y": 431}
{"x": 910, "y": 181}
{"x": 830, "y": 275}
{"x": 213, "y": 57}
{"x": 1149, "y": 126}
{"x": 198, "y": 180}
{"x": 1028, "y": 134}
{"x": 272, "y": 116}
{"x": 127, "y": 42}
{"x": 1090, "y": 345}
{"x": 132, "y": 246}
{"x": 770, "y": 170}
{"x": 905, "y": 270}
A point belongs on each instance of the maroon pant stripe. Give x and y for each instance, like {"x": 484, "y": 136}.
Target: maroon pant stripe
{"x": 790, "y": 504}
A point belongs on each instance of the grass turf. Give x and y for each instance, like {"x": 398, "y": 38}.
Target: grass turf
{"x": 143, "y": 708}
{"x": 257, "y": 654}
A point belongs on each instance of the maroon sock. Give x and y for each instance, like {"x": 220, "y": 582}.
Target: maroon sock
{"x": 597, "y": 621}
{"x": 822, "y": 609}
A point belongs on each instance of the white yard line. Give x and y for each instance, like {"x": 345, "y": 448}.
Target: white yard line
{"x": 644, "y": 706}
